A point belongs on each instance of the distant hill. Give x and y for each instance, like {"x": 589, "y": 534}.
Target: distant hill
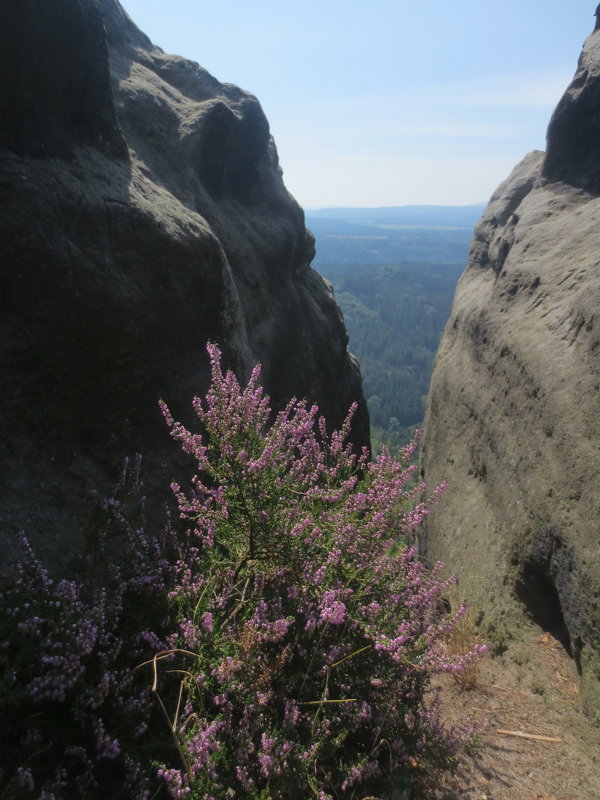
{"x": 394, "y": 271}
{"x": 427, "y": 216}
{"x": 392, "y": 235}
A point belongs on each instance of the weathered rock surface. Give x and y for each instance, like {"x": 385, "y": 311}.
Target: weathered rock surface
{"x": 143, "y": 213}
{"x": 513, "y": 416}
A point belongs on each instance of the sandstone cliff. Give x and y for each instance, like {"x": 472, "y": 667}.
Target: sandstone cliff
{"x": 513, "y": 416}
{"x": 143, "y": 213}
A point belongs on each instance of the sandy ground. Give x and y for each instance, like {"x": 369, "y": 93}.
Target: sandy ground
{"x": 532, "y": 689}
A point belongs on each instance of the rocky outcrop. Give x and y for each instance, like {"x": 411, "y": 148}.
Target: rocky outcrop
{"x": 143, "y": 213}
{"x": 513, "y": 416}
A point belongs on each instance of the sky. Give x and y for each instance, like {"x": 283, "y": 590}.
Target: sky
{"x": 387, "y": 102}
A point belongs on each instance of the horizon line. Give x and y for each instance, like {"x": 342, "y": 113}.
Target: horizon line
{"x": 403, "y": 205}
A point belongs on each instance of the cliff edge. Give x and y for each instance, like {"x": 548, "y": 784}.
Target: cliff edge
{"x": 513, "y": 418}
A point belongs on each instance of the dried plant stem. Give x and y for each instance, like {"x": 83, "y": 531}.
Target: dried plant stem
{"x": 522, "y": 735}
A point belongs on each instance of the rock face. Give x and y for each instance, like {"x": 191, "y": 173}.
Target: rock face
{"x": 143, "y": 213}
{"x": 513, "y": 416}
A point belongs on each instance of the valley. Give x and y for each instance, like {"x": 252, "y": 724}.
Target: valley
{"x": 394, "y": 271}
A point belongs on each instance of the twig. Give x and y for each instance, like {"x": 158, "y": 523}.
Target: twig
{"x": 174, "y": 733}
{"x": 521, "y": 735}
{"x": 164, "y": 654}
{"x": 322, "y": 702}
{"x": 176, "y": 717}
{"x": 355, "y": 653}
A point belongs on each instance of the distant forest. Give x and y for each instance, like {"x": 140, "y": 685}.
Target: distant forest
{"x": 394, "y": 271}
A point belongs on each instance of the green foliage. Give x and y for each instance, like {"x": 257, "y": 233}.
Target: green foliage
{"x": 395, "y": 319}
{"x": 394, "y": 271}
{"x": 394, "y": 437}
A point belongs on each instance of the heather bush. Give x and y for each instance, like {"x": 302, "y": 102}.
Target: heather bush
{"x": 74, "y": 718}
{"x": 308, "y": 631}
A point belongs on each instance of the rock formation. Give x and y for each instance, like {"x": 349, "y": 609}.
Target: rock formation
{"x": 513, "y": 416}
{"x": 143, "y": 213}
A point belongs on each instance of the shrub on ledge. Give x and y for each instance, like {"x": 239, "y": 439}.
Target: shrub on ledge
{"x": 308, "y": 630}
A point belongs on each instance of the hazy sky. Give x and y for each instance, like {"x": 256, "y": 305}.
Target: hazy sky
{"x": 387, "y": 102}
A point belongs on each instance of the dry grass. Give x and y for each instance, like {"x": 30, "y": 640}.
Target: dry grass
{"x": 461, "y": 641}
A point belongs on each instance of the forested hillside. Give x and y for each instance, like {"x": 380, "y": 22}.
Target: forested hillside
{"x": 394, "y": 271}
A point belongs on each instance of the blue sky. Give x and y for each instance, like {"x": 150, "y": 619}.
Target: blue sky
{"x": 387, "y": 102}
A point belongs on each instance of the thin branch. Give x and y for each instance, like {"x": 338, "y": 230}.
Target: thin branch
{"x": 355, "y": 653}
{"x": 176, "y": 715}
{"x": 322, "y": 702}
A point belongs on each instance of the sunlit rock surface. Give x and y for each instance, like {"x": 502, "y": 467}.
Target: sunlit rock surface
{"x": 513, "y": 417}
